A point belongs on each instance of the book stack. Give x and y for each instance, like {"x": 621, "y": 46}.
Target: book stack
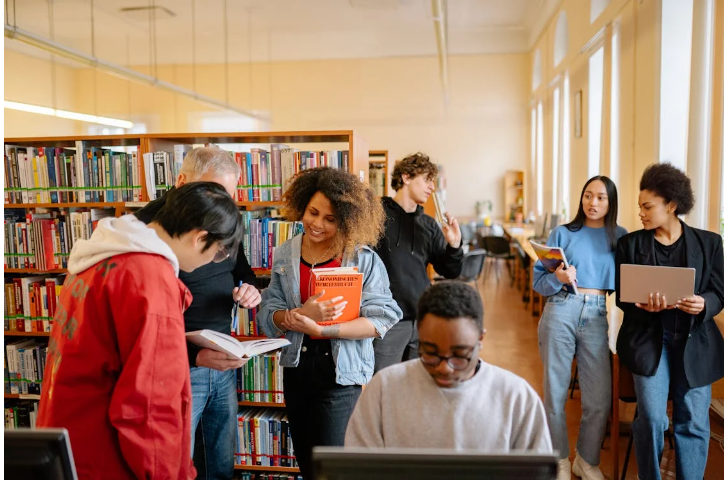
{"x": 25, "y": 366}
{"x": 260, "y": 380}
{"x": 247, "y": 325}
{"x": 21, "y": 414}
{"x": 43, "y": 241}
{"x": 31, "y": 303}
{"x": 84, "y": 174}
{"x": 263, "y": 439}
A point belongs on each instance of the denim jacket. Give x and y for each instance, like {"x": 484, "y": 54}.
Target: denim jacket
{"x": 354, "y": 359}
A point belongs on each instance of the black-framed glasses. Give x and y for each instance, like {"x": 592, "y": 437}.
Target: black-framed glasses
{"x": 221, "y": 255}
{"x": 456, "y": 363}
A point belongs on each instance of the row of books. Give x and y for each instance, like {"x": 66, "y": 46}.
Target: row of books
{"x": 263, "y": 234}
{"x": 25, "y": 366}
{"x": 162, "y": 169}
{"x": 247, "y": 325}
{"x": 260, "y": 379}
{"x": 44, "y": 240}
{"x": 21, "y": 414}
{"x": 82, "y": 174}
{"x": 263, "y": 438}
{"x": 256, "y": 475}
{"x": 31, "y": 303}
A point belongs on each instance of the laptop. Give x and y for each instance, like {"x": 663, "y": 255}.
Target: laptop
{"x": 637, "y": 281}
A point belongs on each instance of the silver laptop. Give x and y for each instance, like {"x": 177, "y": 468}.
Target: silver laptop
{"x": 638, "y": 281}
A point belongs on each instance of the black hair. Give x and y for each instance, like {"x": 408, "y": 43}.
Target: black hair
{"x": 204, "y": 206}
{"x": 671, "y": 184}
{"x": 609, "y": 221}
{"x": 451, "y": 300}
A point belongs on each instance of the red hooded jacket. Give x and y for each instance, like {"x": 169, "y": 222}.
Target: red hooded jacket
{"x": 117, "y": 373}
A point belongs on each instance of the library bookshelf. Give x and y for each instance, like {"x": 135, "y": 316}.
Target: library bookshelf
{"x": 140, "y": 144}
{"x": 379, "y": 172}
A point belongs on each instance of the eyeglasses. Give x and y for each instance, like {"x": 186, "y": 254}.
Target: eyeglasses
{"x": 456, "y": 363}
{"x": 221, "y": 255}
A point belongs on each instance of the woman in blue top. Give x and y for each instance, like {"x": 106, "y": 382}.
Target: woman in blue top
{"x": 576, "y": 325}
{"x": 325, "y": 367}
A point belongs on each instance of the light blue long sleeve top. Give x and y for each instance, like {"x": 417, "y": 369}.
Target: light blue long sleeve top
{"x": 588, "y": 250}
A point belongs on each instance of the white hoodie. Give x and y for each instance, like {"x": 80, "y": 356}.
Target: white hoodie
{"x": 118, "y": 235}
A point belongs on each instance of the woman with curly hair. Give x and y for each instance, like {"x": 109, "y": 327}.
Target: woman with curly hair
{"x": 672, "y": 346}
{"x": 325, "y": 367}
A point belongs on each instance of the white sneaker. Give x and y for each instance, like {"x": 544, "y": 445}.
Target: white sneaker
{"x": 584, "y": 470}
{"x": 564, "y": 469}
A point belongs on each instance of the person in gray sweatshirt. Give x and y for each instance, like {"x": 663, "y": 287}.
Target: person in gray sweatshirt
{"x": 448, "y": 397}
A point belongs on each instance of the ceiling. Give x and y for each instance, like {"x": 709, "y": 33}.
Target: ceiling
{"x": 276, "y": 30}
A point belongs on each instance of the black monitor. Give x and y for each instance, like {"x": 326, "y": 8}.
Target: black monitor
{"x": 398, "y": 463}
{"x": 38, "y": 454}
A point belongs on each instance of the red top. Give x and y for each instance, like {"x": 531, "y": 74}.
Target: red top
{"x": 117, "y": 373}
{"x": 305, "y": 275}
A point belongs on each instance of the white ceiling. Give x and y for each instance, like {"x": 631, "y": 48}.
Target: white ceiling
{"x": 264, "y": 30}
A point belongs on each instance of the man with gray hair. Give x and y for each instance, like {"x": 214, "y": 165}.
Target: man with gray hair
{"x": 213, "y": 376}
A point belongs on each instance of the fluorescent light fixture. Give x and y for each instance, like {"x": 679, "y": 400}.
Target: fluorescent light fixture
{"x": 65, "y": 114}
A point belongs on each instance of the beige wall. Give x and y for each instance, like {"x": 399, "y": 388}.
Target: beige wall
{"x": 396, "y": 104}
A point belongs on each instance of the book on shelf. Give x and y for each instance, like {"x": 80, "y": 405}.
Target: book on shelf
{"x": 64, "y": 174}
{"x": 25, "y": 366}
{"x": 218, "y": 341}
{"x": 262, "y": 234}
{"x": 44, "y": 240}
{"x": 261, "y": 380}
{"x": 21, "y": 414}
{"x": 339, "y": 281}
{"x": 31, "y": 303}
{"x": 551, "y": 258}
{"x": 263, "y": 438}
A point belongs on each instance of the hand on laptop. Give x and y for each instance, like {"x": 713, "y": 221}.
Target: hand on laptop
{"x": 657, "y": 303}
{"x": 691, "y": 305}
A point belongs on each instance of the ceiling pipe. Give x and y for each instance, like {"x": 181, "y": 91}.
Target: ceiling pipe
{"x": 118, "y": 70}
{"x": 439, "y": 12}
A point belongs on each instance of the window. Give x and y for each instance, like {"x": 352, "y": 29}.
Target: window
{"x": 539, "y": 161}
{"x": 566, "y": 149}
{"x": 537, "y": 70}
{"x": 615, "y": 104}
{"x": 560, "y": 45}
{"x": 676, "y": 30}
{"x": 556, "y": 148}
{"x": 597, "y": 7}
{"x": 595, "y": 111}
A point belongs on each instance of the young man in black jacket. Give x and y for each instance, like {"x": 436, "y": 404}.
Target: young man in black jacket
{"x": 213, "y": 376}
{"x": 413, "y": 240}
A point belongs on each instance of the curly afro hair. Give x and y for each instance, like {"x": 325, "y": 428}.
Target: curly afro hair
{"x": 671, "y": 184}
{"x": 359, "y": 213}
{"x": 412, "y": 165}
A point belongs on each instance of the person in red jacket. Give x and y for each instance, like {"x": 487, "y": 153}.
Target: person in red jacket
{"x": 117, "y": 373}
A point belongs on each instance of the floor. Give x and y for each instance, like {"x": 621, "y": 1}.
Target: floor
{"x": 511, "y": 342}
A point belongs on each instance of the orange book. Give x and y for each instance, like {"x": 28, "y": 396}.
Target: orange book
{"x": 339, "y": 281}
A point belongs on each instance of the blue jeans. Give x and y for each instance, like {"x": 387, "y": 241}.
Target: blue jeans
{"x": 576, "y": 325}
{"x": 691, "y": 412}
{"x": 215, "y": 406}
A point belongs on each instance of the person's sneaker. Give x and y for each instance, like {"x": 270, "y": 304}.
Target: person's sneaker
{"x": 564, "y": 469}
{"x": 584, "y": 470}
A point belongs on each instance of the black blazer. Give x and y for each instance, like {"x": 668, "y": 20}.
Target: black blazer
{"x": 640, "y": 339}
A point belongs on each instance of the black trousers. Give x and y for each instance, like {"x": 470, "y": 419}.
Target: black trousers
{"x": 317, "y": 407}
{"x": 400, "y": 344}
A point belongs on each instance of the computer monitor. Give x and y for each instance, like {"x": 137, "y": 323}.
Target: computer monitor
{"x": 399, "y": 463}
{"x": 38, "y": 454}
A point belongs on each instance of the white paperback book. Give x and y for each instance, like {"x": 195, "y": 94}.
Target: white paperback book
{"x": 234, "y": 348}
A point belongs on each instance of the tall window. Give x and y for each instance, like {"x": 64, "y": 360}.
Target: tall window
{"x": 676, "y": 30}
{"x": 595, "y": 111}
{"x": 615, "y": 104}
{"x": 533, "y": 148}
{"x": 539, "y": 161}
{"x": 556, "y": 147}
{"x": 566, "y": 150}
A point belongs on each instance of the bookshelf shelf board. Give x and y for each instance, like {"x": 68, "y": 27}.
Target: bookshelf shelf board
{"x": 261, "y": 404}
{"x": 26, "y": 334}
{"x": 35, "y": 271}
{"x": 109, "y": 205}
{"x": 35, "y": 397}
{"x": 89, "y": 140}
{"x": 261, "y": 272}
{"x": 276, "y": 469}
{"x": 258, "y": 138}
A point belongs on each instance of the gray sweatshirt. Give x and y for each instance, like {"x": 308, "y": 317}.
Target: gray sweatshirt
{"x": 495, "y": 410}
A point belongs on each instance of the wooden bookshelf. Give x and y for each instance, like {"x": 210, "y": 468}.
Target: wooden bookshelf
{"x": 378, "y": 159}
{"x": 275, "y": 469}
{"x": 514, "y": 193}
{"x": 32, "y": 397}
{"x": 35, "y": 271}
{"x": 254, "y": 404}
{"x": 261, "y": 271}
{"x": 26, "y": 334}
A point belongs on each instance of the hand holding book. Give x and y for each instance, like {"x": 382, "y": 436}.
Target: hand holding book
{"x": 320, "y": 311}
{"x": 554, "y": 260}
{"x": 448, "y": 223}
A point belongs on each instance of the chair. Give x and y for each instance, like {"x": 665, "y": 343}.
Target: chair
{"x": 498, "y": 248}
{"x": 468, "y": 234}
{"x": 473, "y": 262}
{"x": 523, "y": 275}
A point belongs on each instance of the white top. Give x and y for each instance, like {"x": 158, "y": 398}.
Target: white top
{"x": 403, "y": 407}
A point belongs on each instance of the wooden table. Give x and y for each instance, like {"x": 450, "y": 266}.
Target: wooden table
{"x": 520, "y": 233}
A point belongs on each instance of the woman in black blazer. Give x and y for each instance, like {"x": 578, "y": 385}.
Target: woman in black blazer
{"x": 672, "y": 346}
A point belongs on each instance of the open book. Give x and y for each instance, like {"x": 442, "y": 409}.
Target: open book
{"x": 339, "y": 281}
{"x": 439, "y": 209}
{"x": 551, "y": 258}
{"x": 235, "y": 349}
